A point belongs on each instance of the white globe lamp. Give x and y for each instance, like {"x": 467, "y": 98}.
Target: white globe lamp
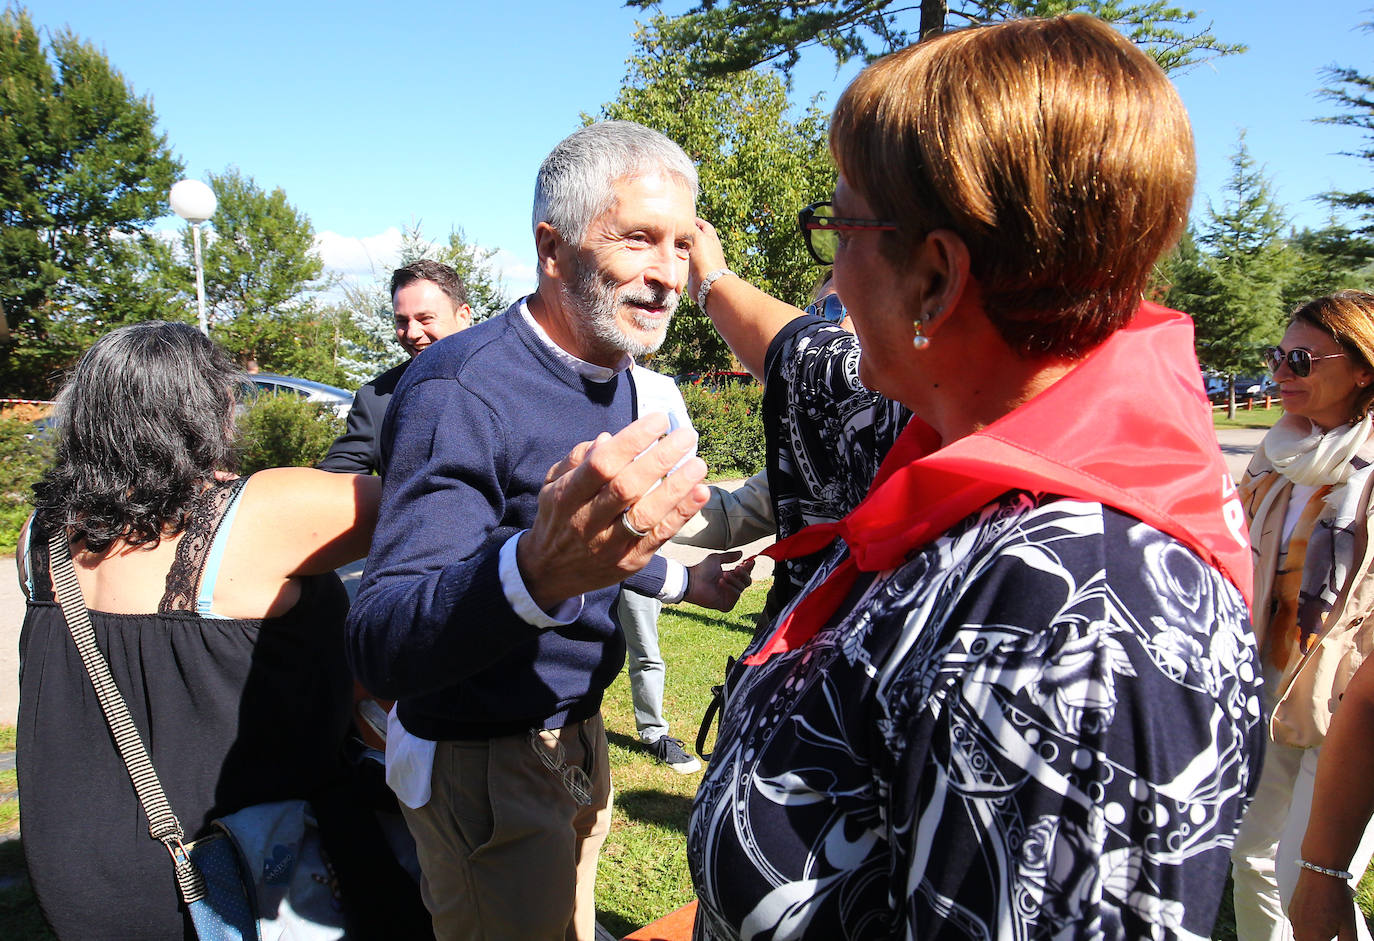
{"x": 195, "y": 202}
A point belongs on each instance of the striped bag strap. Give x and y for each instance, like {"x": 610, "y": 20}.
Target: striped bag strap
{"x": 162, "y": 823}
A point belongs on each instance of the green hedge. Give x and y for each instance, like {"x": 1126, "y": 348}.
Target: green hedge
{"x": 22, "y": 461}
{"x": 730, "y": 425}
{"x": 285, "y": 431}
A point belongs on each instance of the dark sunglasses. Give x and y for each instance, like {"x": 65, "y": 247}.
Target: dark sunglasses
{"x": 821, "y": 229}
{"x": 1298, "y": 359}
{"x": 829, "y": 308}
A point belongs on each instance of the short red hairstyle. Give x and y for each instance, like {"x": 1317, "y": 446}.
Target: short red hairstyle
{"x": 1057, "y": 150}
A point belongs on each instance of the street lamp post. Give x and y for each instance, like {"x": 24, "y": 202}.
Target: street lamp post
{"x": 195, "y": 202}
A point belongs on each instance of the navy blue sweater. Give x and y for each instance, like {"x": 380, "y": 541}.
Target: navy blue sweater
{"x": 470, "y": 434}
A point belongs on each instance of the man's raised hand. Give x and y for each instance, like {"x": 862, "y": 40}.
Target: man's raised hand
{"x": 578, "y": 541}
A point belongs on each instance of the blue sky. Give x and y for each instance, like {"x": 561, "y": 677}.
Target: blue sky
{"x": 373, "y": 116}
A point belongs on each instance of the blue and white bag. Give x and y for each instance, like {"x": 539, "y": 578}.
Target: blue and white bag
{"x": 266, "y": 878}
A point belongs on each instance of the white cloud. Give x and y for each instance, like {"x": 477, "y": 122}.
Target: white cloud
{"x": 359, "y": 258}
{"x": 370, "y": 259}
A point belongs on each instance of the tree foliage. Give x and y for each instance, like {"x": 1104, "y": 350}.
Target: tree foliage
{"x": 371, "y": 348}
{"x": 1326, "y": 260}
{"x": 261, "y": 273}
{"x": 729, "y": 425}
{"x": 260, "y": 256}
{"x": 486, "y": 293}
{"x": 1243, "y": 271}
{"x": 757, "y": 163}
{"x": 83, "y": 173}
{"x": 1232, "y": 276}
{"x": 734, "y": 35}
{"x": 1250, "y": 265}
{"x": 24, "y": 456}
{"x": 285, "y": 431}
{"x": 1353, "y": 93}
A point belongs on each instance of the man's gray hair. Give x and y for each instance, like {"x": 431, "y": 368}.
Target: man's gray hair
{"x": 575, "y": 181}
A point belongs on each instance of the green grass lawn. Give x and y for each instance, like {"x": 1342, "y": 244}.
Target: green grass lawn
{"x": 643, "y": 870}
{"x": 9, "y": 805}
{"x": 1256, "y": 418}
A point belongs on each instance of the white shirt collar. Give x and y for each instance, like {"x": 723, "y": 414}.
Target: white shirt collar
{"x": 583, "y": 368}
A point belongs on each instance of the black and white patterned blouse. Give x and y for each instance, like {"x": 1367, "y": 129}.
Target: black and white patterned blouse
{"x": 1045, "y": 724}
{"x": 803, "y": 431}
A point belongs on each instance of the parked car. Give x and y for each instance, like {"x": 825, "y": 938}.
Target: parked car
{"x": 332, "y": 397}
{"x": 42, "y": 428}
{"x": 1247, "y": 388}
{"x": 716, "y": 379}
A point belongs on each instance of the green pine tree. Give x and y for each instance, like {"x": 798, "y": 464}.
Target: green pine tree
{"x": 372, "y": 348}
{"x": 1353, "y": 92}
{"x": 1235, "y": 290}
{"x": 1329, "y": 259}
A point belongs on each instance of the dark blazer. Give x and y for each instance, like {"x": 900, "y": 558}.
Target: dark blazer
{"x": 359, "y": 449}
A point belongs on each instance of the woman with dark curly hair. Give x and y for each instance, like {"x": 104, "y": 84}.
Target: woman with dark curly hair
{"x": 1307, "y": 494}
{"x": 213, "y": 600}
{"x": 1019, "y": 696}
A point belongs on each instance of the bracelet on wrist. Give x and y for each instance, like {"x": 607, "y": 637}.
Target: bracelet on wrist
{"x": 1333, "y": 873}
{"x": 706, "y": 284}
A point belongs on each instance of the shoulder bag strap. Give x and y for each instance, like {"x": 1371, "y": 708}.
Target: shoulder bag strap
{"x": 162, "y": 823}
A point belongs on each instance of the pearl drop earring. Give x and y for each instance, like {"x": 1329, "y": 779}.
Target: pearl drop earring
{"x": 920, "y": 341}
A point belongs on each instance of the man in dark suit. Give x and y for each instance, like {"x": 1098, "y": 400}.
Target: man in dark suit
{"x": 430, "y": 302}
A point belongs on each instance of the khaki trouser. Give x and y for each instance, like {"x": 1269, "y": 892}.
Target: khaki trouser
{"x": 505, "y": 851}
{"x": 1265, "y": 858}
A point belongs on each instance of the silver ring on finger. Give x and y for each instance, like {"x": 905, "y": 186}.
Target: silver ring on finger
{"x": 629, "y": 527}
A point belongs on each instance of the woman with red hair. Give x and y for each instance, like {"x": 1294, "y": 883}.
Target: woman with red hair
{"x": 1020, "y": 696}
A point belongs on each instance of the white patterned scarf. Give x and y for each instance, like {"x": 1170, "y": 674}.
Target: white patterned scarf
{"x": 1337, "y": 459}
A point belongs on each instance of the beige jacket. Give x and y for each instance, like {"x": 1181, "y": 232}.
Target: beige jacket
{"x": 731, "y": 519}
{"x": 1311, "y": 686}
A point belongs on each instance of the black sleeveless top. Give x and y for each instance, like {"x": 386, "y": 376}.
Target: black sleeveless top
{"x": 233, "y": 712}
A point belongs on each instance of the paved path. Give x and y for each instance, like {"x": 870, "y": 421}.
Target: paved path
{"x": 11, "y": 618}
{"x": 1236, "y": 445}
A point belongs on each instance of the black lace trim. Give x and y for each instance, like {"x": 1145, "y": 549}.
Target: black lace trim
{"x": 193, "y": 551}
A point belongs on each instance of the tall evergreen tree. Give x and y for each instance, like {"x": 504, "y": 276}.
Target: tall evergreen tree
{"x": 487, "y": 294}
{"x": 1328, "y": 259}
{"x": 1237, "y": 299}
{"x": 83, "y": 171}
{"x": 1353, "y": 92}
{"x": 723, "y": 36}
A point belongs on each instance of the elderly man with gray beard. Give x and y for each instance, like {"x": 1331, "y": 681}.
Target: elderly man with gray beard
{"x": 510, "y": 517}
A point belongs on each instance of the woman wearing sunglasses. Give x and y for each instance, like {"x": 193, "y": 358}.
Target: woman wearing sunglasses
{"x": 1307, "y": 495}
{"x": 1019, "y": 697}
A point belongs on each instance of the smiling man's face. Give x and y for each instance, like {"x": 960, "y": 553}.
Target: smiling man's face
{"x": 627, "y": 275}
{"x": 424, "y": 314}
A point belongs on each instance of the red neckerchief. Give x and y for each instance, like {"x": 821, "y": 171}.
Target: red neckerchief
{"x": 1128, "y": 427}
